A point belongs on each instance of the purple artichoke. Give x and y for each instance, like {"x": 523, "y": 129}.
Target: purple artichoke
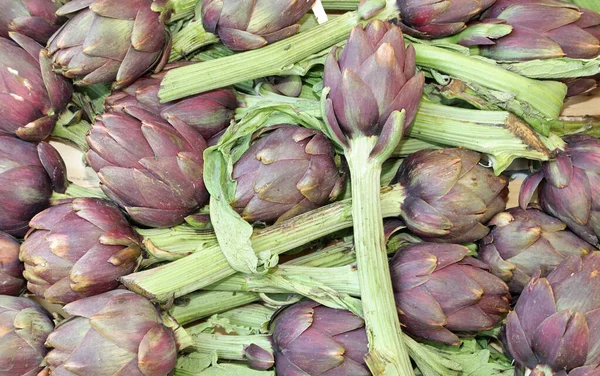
{"x": 449, "y": 195}
{"x": 208, "y": 113}
{"x": 32, "y": 96}
{"x": 250, "y": 24}
{"x": 554, "y": 327}
{"x": 522, "y": 242}
{"x": 543, "y": 29}
{"x": 438, "y": 18}
{"x": 358, "y": 103}
{"x": 78, "y": 249}
{"x": 11, "y": 268}
{"x": 27, "y": 176}
{"x": 150, "y": 168}
{"x": 36, "y": 19}
{"x": 568, "y": 187}
{"x": 310, "y": 339}
{"x": 137, "y": 35}
{"x": 286, "y": 172}
{"x": 422, "y": 274}
{"x": 24, "y": 327}
{"x": 115, "y": 333}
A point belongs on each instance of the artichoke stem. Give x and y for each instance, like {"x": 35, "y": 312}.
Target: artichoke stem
{"x": 189, "y": 39}
{"x": 231, "y": 347}
{"x": 202, "y": 304}
{"x": 208, "y": 266}
{"x": 340, "y": 4}
{"x": 387, "y": 354}
{"x": 270, "y": 60}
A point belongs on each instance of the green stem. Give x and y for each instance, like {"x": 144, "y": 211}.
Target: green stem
{"x": 577, "y": 124}
{"x": 182, "y": 9}
{"x": 72, "y": 134}
{"x": 270, "y": 60}
{"x": 208, "y": 266}
{"x": 189, "y": 39}
{"x": 76, "y": 191}
{"x": 254, "y": 316}
{"x": 535, "y": 101}
{"x": 168, "y": 244}
{"x": 409, "y": 145}
{"x": 387, "y": 354}
{"x": 230, "y": 347}
{"x": 340, "y": 4}
{"x": 499, "y": 134}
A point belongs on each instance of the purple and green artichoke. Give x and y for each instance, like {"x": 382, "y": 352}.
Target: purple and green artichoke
{"x": 137, "y": 35}
{"x": 250, "y": 24}
{"x": 450, "y": 196}
{"x": 311, "y": 339}
{"x": 208, "y": 113}
{"x": 542, "y": 29}
{"x": 568, "y": 186}
{"x": 32, "y": 95}
{"x": 36, "y": 19}
{"x": 78, "y": 249}
{"x": 287, "y": 171}
{"x": 24, "y": 327}
{"x": 28, "y": 173}
{"x": 523, "y": 242}
{"x": 115, "y": 333}
{"x": 358, "y": 103}
{"x": 150, "y": 168}
{"x": 555, "y": 326}
{"x": 11, "y": 268}
{"x": 438, "y": 18}
{"x": 441, "y": 292}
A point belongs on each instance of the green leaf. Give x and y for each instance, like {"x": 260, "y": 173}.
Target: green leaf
{"x": 555, "y": 68}
{"x": 194, "y": 363}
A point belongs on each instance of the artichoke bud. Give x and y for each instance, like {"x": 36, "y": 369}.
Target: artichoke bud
{"x": 371, "y": 82}
{"x": 247, "y": 25}
{"x": 24, "y": 327}
{"x": 287, "y": 171}
{"x": 11, "y": 268}
{"x": 35, "y": 19}
{"x": 78, "y": 249}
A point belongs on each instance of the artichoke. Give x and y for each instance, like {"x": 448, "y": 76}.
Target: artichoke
{"x": 114, "y": 333}
{"x": 148, "y": 167}
{"x": 310, "y": 339}
{"x": 24, "y": 327}
{"x": 32, "y": 96}
{"x": 567, "y": 187}
{"x": 250, "y": 24}
{"x": 286, "y": 172}
{"x": 543, "y": 29}
{"x": 553, "y": 329}
{"x": 449, "y": 195}
{"x": 11, "y": 268}
{"x": 438, "y": 18}
{"x": 137, "y": 35}
{"x": 522, "y": 242}
{"x": 27, "y": 176}
{"x": 36, "y": 19}
{"x": 208, "y": 113}
{"x": 429, "y": 309}
{"x": 78, "y": 249}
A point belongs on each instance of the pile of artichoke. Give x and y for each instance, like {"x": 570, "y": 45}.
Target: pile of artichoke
{"x": 298, "y": 187}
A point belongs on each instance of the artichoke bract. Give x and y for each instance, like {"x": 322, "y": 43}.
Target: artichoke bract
{"x": 311, "y": 339}
{"x": 288, "y": 171}
{"x": 24, "y": 327}
{"x": 118, "y": 332}
{"x": 553, "y": 329}
{"x": 32, "y": 95}
{"x": 567, "y": 187}
{"x": 522, "y": 242}
{"x": 250, "y": 24}
{"x": 150, "y": 168}
{"x": 36, "y": 19}
{"x": 422, "y": 274}
{"x": 137, "y": 35}
{"x": 28, "y": 173}
{"x": 542, "y": 29}
{"x": 11, "y": 268}
{"x": 438, "y": 18}
{"x": 450, "y": 196}
{"x": 78, "y": 249}
{"x": 208, "y": 113}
